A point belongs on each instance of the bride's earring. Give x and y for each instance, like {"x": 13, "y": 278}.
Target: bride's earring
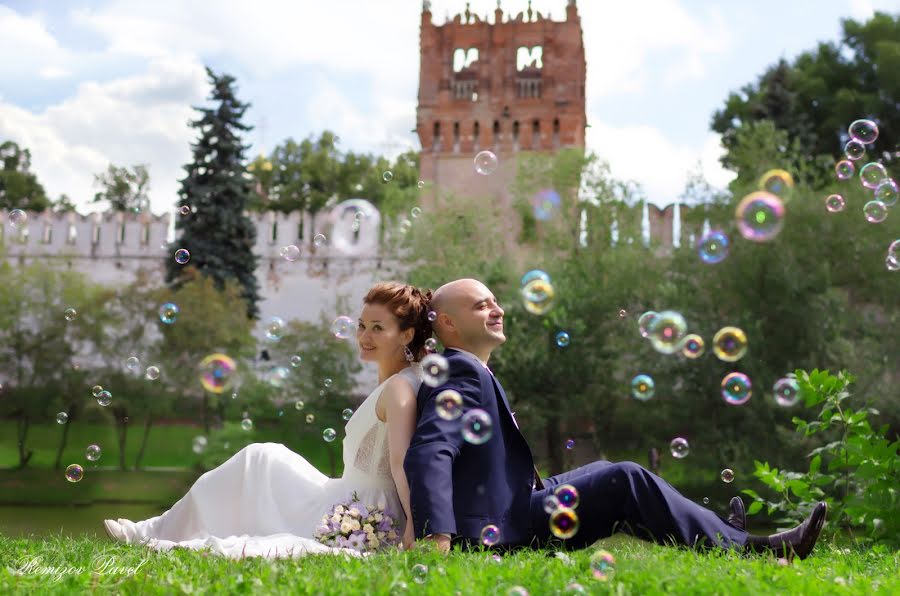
{"x": 408, "y": 354}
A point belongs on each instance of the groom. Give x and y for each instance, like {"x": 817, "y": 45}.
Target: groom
{"x": 457, "y": 488}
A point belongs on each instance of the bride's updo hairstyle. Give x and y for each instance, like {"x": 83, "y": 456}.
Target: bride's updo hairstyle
{"x": 410, "y": 305}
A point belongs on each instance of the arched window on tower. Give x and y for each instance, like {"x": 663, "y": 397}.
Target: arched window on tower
{"x": 436, "y": 140}
{"x": 516, "y": 135}
{"x": 556, "y": 133}
{"x": 496, "y": 138}
{"x": 456, "y": 137}
{"x": 476, "y": 133}
{"x": 536, "y": 134}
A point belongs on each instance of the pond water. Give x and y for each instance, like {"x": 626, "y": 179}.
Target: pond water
{"x": 77, "y": 520}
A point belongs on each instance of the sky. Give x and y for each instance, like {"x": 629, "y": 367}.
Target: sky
{"x": 85, "y": 83}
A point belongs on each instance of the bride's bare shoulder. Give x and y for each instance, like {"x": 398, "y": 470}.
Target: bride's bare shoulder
{"x": 397, "y": 394}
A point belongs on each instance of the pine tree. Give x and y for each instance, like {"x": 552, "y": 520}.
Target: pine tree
{"x": 211, "y": 223}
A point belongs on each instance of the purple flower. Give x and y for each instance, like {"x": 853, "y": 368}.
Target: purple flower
{"x": 384, "y": 525}
{"x": 342, "y": 542}
{"x": 357, "y": 540}
{"x": 363, "y": 512}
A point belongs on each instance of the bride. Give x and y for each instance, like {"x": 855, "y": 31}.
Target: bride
{"x": 267, "y": 500}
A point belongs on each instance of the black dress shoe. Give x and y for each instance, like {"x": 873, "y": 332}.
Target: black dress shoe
{"x": 798, "y": 542}
{"x": 737, "y": 517}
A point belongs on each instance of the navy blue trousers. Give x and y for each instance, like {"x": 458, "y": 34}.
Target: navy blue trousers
{"x": 625, "y": 497}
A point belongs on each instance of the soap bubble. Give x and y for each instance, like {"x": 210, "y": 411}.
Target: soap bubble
{"x": 431, "y": 344}
{"x": 679, "y": 448}
{"x": 567, "y": 495}
{"x": 533, "y": 275}
{"x": 275, "y": 328}
{"x": 490, "y": 535}
{"x": 436, "y": 370}
{"x": 18, "y": 218}
{"x": 247, "y": 424}
{"x": 692, "y": 346}
{"x": 736, "y": 389}
{"x": 730, "y": 344}
{"x": 216, "y": 372}
{"x": 74, "y": 473}
{"x": 329, "y": 435}
{"x": 760, "y": 216}
{"x": 872, "y": 174}
{"x": 642, "y": 387}
{"x": 887, "y": 192}
{"x": 415, "y": 212}
{"x": 551, "y": 503}
{"x": 298, "y": 405}
{"x": 421, "y": 184}
{"x": 182, "y": 256}
{"x": 62, "y": 418}
{"x": 570, "y": 444}
{"x": 291, "y": 252}
{"x": 777, "y": 182}
{"x": 892, "y": 262}
{"x": 132, "y": 363}
{"x": 199, "y": 445}
{"x": 355, "y": 223}
{"x": 486, "y": 163}
{"x": 95, "y": 390}
{"x": 184, "y": 210}
{"x": 477, "y": 427}
{"x": 347, "y": 414}
{"x": 667, "y": 331}
{"x": 844, "y": 169}
{"x": 603, "y": 565}
{"x": 319, "y": 240}
{"x": 854, "y": 150}
{"x": 93, "y": 452}
{"x": 875, "y": 211}
{"x": 713, "y": 247}
{"x": 645, "y": 321}
{"x": 834, "y": 203}
{"x": 152, "y": 373}
{"x": 296, "y": 360}
{"x": 387, "y": 176}
{"x": 562, "y": 339}
{"x": 727, "y": 475}
{"x": 310, "y": 418}
{"x": 538, "y": 296}
{"x": 787, "y": 391}
{"x": 419, "y": 573}
{"x": 564, "y": 523}
{"x": 343, "y": 327}
{"x": 277, "y": 376}
{"x": 168, "y": 313}
{"x": 70, "y": 314}
{"x": 545, "y": 203}
{"x": 104, "y": 398}
{"x": 864, "y": 131}
{"x": 327, "y": 382}
{"x": 448, "y": 404}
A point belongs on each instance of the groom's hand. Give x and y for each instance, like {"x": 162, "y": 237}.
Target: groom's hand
{"x": 441, "y": 540}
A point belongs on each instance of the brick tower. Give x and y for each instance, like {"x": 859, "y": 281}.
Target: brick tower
{"x": 508, "y": 86}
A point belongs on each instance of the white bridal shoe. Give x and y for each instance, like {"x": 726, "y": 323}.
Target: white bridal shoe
{"x": 114, "y": 530}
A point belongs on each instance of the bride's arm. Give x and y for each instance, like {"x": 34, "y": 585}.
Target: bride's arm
{"x": 400, "y": 415}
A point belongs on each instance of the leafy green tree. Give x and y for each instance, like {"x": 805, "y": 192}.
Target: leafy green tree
{"x": 125, "y": 189}
{"x": 19, "y": 186}
{"x": 218, "y": 235}
{"x": 64, "y": 204}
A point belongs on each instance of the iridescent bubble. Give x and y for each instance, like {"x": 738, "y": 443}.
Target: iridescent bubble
{"x": 168, "y": 313}
{"x": 430, "y": 344}
{"x": 834, "y": 203}
{"x": 564, "y": 523}
{"x": 435, "y": 369}
{"x": 623, "y": 313}
{"x": 355, "y": 224}
{"x": 563, "y": 339}
{"x": 533, "y": 275}
{"x": 199, "y": 444}
{"x": 570, "y": 444}
{"x": 95, "y": 390}
{"x": 18, "y": 218}
{"x": 760, "y": 216}
{"x": 892, "y": 262}
{"x": 421, "y": 184}
{"x": 679, "y": 448}
{"x": 567, "y": 496}
{"x": 419, "y": 573}
{"x": 693, "y": 346}
{"x": 184, "y": 210}
{"x": 736, "y": 389}
{"x": 296, "y": 360}
{"x": 551, "y": 503}
{"x": 247, "y": 424}
{"x": 329, "y": 435}
{"x": 310, "y": 418}
{"x": 432, "y": 316}
{"x": 152, "y": 373}
{"x": 182, "y": 256}
{"x": 347, "y": 414}
{"x": 104, "y": 398}
{"x": 217, "y": 372}
{"x": 298, "y": 405}
{"x": 415, "y": 212}
{"x": 642, "y": 387}
{"x": 844, "y": 169}
{"x": 730, "y": 344}
{"x": 667, "y": 332}
{"x": 894, "y": 248}
{"x": 887, "y": 192}
{"x": 645, "y": 321}
{"x": 854, "y": 150}
{"x": 327, "y": 382}
{"x": 93, "y": 452}
{"x": 70, "y": 314}
{"x": 603, "y": 565}
{"x": 291, "y": 252}
{"x": 787, "y": 391}
{"x": 62, "y": 418}
{"x": 574, "y": 588}
{"x": 132, "y": 363}
{"x": 477, "y": 427}
{"x": 864, "y": 131}
{"x": 486, "y": 163}
{"x": 448, "y": 404}
{"x": 545, "y": 203}
{"x": 777, "y": 182}
{"x": 706, "y": 500}
{"x": 727, "y": 475}
{"x": 275, "y": 328}
{"x": 713, "y": 247}
{"x": 319, "y": 240}
{"x": 277, "y": 376}
{"x": 538, "y": 296}
{"x": 343, "y": 327}
{"x": 74, "y": 473}
{"x": 387, "y": 176}
{"x": 872, "y": 174}
{"x": 490, "y": 535}
{"x": 875, "y": 211}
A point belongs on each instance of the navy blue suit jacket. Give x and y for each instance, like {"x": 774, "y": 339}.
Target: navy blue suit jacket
{"x": 456, "y": 487}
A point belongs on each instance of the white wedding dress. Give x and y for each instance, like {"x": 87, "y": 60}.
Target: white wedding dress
{"x": 267, "y": 500}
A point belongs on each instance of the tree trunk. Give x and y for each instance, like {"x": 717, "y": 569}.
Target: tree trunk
{"x": 22, "y": 426}
{"x": 64, "y": 440}
{"x": 554, "y": 445}
{"x": 140, "y": 454}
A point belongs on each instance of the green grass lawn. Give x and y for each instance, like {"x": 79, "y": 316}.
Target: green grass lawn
{"x": 640, "y": 569}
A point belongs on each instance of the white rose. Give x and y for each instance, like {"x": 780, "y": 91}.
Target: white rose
{"x": 392, "y": 535}
{"x": 347, "y": 519}
{"x": 373, "y": 543}
{"x": 355, "y": 512}
{"x": 346, "y": 528}
{"x": 378, "y": 517}
{"x": 339, "y": 509}
{"x": 368, "y": 528}
{"x": 355, "y": 524}
{"x": 336, "y": 518}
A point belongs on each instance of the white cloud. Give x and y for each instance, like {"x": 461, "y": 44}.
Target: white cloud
{"x": 861, "y": 9}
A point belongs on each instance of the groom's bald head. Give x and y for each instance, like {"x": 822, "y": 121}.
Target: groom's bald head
{"x": 468, "y": 316}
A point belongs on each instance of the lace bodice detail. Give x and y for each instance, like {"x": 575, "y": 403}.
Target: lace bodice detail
{"x": 366, "y": 449}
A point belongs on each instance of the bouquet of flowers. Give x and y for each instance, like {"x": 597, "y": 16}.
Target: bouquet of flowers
{"x": 354, "y": 525}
